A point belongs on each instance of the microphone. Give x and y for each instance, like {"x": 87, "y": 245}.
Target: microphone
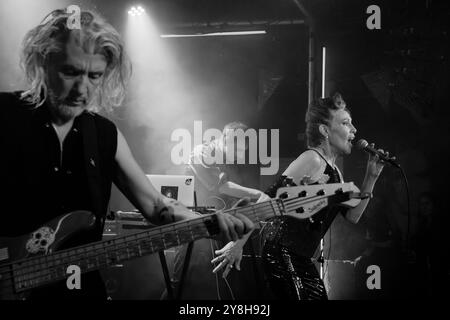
{"x": 364, "y": 145}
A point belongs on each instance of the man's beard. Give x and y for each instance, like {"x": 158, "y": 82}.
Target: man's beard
{"x": 61, "y": 110}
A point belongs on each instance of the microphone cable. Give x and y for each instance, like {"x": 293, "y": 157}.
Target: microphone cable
{"x": 405, "y": 179}
{"x": 364, "y": 145}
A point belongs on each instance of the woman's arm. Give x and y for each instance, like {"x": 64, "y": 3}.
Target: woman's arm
{"x": 373, "y": 171}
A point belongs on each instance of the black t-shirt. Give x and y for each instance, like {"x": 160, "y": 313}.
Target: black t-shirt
{"x": 39, "y": 180}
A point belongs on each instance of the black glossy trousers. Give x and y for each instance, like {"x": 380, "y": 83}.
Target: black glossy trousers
{"x": 291, "y": 277}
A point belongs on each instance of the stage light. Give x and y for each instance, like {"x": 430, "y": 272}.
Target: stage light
{"x": 136, "y": 11}
{"x": 214, "y": 34}
{"x": 324, "y": 60}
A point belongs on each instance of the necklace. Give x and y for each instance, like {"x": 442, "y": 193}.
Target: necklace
{"x": 333, "y": 167}
{"x": 320, "y": 151}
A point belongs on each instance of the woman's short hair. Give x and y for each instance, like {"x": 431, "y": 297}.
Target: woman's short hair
{"x": 319, "y": 112}
{"x": 94, "y": 35}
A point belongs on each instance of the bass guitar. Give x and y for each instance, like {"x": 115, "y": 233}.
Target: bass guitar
{"x": 33, "y": 260}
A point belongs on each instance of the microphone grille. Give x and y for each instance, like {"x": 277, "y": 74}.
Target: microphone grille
{"x": 361, "y": 144}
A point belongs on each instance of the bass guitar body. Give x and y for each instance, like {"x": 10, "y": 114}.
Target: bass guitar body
{"x": 15, "y": 252}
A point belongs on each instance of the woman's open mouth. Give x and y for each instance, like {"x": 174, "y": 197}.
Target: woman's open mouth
{"x": 350, "y": 141}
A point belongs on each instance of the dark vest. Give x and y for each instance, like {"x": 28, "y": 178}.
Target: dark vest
{"x": 39, "y": 181}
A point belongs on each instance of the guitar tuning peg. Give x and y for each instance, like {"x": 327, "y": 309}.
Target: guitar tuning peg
{"x": 300, "y": 210}
{"x": 289, "y": 182}
{"x": 284, "y": 195}
{"x": 302, "y": 194}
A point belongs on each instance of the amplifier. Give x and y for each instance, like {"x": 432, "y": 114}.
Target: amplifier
{"x": 118, "y": 222}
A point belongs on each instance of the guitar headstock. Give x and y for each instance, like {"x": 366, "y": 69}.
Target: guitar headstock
{"x": 302, "y": 202}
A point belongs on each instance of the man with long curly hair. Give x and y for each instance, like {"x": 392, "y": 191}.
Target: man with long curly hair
{"x": 59, "y": 155}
